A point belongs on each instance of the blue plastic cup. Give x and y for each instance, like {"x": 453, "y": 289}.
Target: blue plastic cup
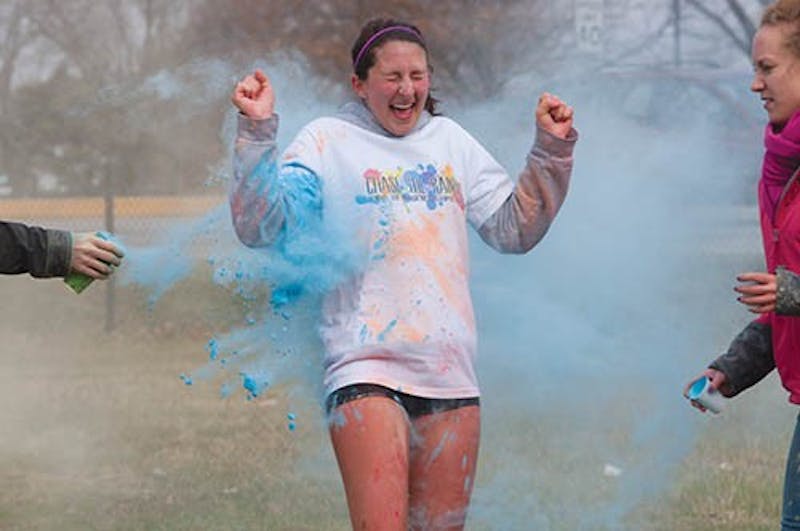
{"x": 702, "y": 393}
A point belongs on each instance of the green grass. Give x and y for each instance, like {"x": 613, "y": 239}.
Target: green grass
{"x": 733, "y": 478}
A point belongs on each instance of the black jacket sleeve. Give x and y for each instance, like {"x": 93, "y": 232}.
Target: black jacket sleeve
{"x": 748, "y": 360}
{"x": 788, "y": 295}
{"x": 35, "y": 250}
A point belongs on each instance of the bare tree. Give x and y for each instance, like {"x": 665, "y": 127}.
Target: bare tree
{"x": 476, "y": 46}
{"x": 740, "y": 30}
{"x": 85, "y": 119}
{"x": 16, "y": 34}
{"x": 733, "y": 18}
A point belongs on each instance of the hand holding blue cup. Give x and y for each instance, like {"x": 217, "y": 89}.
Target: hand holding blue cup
{"x": 704, "y": 394}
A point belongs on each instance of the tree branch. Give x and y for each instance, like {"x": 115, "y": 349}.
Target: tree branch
{"x": 741, "y": 15}
{"x": 741, "y": 43}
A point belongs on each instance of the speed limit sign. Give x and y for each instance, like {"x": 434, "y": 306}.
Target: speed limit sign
{"x": 589, "y": 25}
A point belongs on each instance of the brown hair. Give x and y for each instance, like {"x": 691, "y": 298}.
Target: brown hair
{"x": 377, "y": 32}
{"x": 785, "y": 12}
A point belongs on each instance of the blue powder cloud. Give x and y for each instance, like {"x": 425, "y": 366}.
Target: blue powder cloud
{"x": 590, "y": 337}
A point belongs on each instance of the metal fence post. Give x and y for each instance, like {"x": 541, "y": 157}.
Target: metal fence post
{"x": 108, "y": 200}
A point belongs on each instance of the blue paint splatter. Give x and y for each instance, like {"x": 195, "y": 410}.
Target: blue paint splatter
{"x": 364, "y": 199}
{"x": 439, "y": 448}
{"x": 389, "y": 328}
{"x": 285, "y": 294}
{"x": 254, "y": 384}
{"x": 213, "y": 350}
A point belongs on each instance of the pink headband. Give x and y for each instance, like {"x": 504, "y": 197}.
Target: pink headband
{"x": 375, "y": 37}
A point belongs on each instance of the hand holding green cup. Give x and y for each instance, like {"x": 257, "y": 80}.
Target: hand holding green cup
{"x": 94, "y": 257}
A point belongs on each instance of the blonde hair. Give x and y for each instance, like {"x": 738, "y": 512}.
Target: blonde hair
{"x": 785, "y": 12}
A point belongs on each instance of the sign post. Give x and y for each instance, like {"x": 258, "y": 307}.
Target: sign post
{"x": 589, "y": 26}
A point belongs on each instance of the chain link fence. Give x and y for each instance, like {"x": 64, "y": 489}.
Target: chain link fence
{"x": 136, "y": 220}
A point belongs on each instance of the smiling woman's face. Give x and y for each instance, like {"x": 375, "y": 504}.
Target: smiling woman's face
{"x": 397, "y": 86}
{"x": 777, "y": 73}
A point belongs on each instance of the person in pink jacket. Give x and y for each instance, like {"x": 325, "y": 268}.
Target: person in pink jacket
{"x": 772, "y": 340}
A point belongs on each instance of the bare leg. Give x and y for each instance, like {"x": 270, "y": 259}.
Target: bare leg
{"x": 444, "y": 452}
{"x": 370, "y": 437}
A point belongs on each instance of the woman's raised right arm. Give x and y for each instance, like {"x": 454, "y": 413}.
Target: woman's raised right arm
{"x": 269, "y": 200}
{"x": 254, "y": 193}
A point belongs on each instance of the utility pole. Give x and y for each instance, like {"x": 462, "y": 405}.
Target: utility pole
{"x": 676, "y": 19}
{"x": 108, "y": 202}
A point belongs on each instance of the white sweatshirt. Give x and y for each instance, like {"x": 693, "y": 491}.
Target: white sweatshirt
{"x": 405, "y": 320}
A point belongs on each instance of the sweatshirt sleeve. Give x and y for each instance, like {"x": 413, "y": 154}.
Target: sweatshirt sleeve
{"x": 525, "y": 216}
{"x": 748, "y": 360}
{"x": 269, "y": 199}
{"x": 788, "y": 295}
{"x": 41, "y": 252}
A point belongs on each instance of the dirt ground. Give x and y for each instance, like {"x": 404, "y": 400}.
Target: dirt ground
{"x": 99, "y": 432}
